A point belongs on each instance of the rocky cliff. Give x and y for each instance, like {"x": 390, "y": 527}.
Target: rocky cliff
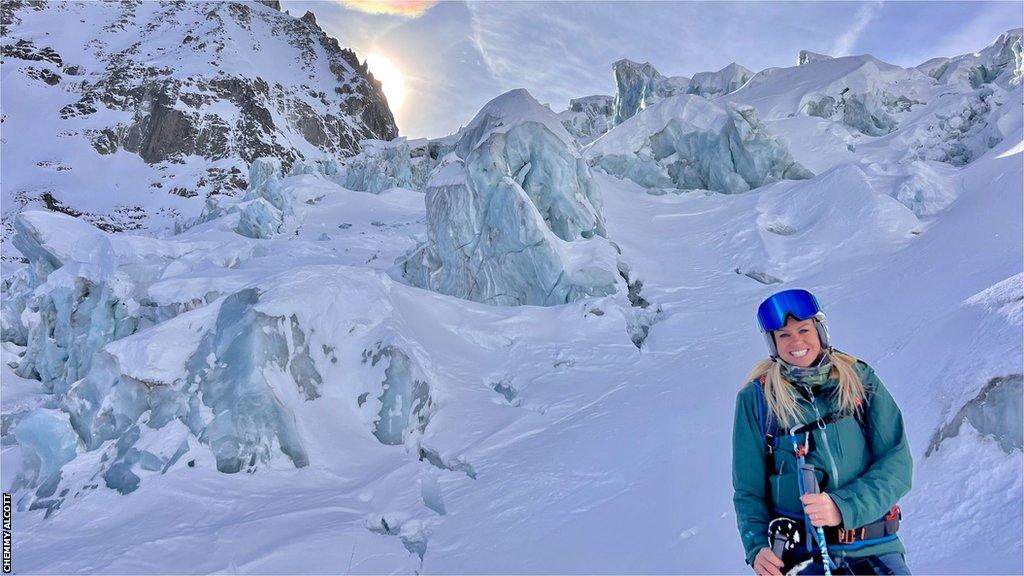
{"x": 129, "y": 114}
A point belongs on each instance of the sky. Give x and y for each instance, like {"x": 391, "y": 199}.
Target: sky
{"x": 453, "y": 57}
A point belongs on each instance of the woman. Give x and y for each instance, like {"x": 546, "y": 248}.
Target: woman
{"x": 811, "y": 404}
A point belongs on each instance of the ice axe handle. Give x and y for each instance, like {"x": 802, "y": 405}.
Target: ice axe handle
{"x": 809, "y": 479}
{"x": 779, "y": 544}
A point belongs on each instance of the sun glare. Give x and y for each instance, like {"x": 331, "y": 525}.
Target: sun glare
{"x": 390, "y": 77}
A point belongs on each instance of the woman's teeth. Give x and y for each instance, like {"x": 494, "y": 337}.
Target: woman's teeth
{"x": 801, "y": 353}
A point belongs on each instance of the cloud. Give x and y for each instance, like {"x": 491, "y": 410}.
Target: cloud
{"x": 407, "y": 8}
{"x": 848, "y": 39}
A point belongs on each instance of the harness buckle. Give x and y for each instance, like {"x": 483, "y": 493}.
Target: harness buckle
{"x": 894, "y": 514}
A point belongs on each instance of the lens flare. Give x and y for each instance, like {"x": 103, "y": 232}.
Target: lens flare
{"x": 391, "y": 79}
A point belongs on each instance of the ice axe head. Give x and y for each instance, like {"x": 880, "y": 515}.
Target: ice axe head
{"x": 783, "y": 535}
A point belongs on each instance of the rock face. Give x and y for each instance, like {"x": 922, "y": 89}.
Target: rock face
{"x": 195, "y": 90}
{"x": 513, "y": 214}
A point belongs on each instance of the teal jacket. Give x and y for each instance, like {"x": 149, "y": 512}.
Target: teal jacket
{"x": 864, "y": 480}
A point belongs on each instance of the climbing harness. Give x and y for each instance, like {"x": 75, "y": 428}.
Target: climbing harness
{"x": 837, "y": 537}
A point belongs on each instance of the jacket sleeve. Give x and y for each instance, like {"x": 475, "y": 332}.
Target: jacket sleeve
{"x": 748, "y": 477}
{"x": 888, "y": 477}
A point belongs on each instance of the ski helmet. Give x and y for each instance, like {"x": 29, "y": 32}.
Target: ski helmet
{"x": 798, "y": 303}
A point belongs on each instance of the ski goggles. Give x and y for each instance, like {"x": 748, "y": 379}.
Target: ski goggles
{"x": 772, "y": 313}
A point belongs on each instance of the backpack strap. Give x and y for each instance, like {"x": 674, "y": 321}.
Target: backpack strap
{"x": 768, "y": 428}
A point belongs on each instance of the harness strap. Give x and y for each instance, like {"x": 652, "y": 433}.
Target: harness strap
{"x": 881, "y": 530}
{"x": 820, "y": 422}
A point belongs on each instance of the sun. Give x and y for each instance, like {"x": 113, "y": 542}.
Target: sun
{"x": 390, "y": 77}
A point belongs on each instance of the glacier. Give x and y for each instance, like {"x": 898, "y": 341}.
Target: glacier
{"x": 946, "y": 109}
{"x": 589, "y": 117}
{"x": 637, "y": 86}
{"x": 687, "y": 142}
{"x": 513, "y": 215}
{"x": 285, "y": 401}
{"x": 398, "y": 163}
{"x": 711, "y": 84}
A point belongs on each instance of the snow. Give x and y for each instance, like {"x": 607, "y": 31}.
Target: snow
{"x": 724, "y": 81}
{"x": 386, "y": 428}
{"x": 806, "y": 57}
{"x": 588, "y": 117}
{"x": 504, "y": 112}
{"x": 638, "y": 86}
{"x": 687, "y": 142}
{"x": 514, "y": 218}
{"x": 111, "y": 48}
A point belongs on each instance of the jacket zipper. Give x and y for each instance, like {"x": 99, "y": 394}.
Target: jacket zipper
{"x": 824, "y": 437}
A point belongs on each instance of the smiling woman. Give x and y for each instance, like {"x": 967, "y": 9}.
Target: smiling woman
{"x": 838, "y": 493}
{"x": 390, "y": 77}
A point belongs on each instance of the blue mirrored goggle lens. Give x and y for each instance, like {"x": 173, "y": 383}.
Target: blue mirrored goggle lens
{"x": 771, "y": 314}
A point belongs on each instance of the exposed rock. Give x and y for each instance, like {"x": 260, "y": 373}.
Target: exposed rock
{"x": 244, "y": 82}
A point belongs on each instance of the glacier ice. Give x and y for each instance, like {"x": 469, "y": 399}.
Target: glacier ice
{"x": 83, "y": 288}
{"x": 48, "y": 442}
{"x": 997, "y": 412}
{"x": 76, "y": 302}
{"x": 379, "y": 166}
{"x": 513, "y": 215}
{"x": 960, "y": 128}
{"x": 15, "y": 288}
{"x": 221, "y": 396}
{"x": 924, "y": 190}
{"x": 399, "y": 163}
{"x": 405, "y": 402}
{"x": 865, "y": 112}
{"x": 327, "y": 167}
{"x": 711, "y": 84}
{"x": 589, "y": 117}
{"x": 806, "y": 57}
{"x": 638, "y": 86}
{"x": 1000, "y": 63}
{"x": 258, "y": 219}
{"x": 688, "y": 142}
{"x": 265, "y": 204}
{"x": 860, "y": 92}
{"x": 223, "y": 379}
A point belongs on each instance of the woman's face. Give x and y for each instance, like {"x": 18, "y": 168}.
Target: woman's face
{"x": 798, "y": 342}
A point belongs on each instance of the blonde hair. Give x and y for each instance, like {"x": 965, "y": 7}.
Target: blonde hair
{"x": 779, "y": 396}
